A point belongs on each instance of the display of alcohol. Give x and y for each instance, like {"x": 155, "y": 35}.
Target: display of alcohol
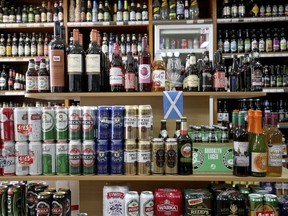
{"x": 144, "y": 67}
{"x": 158, "y": 73}
{"x": 191, "y": 81}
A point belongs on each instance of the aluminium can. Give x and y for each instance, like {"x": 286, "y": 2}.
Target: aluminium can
{"x": 48, "y": 124}
{"x": 171, "y": 156}
{"x": 117, "y": 123}
{"x": 75, "y": 123}
{"x": 88, "y": 157}
{"x": 22, "y": 160}
{"x": 131, "y": 122}
{"x": 158, "y": 156}
{"x": 59, "y": 204}
{"x": 35, "y": 122}
{"x": 145, "y": 122}
{"x": 130, "y": 157}
{"x": 21, "y": 126}
{"x": 88, "y": 122}
{"x": 256, "y": 202}
{"x": 3, "y": 199}
{"x": 31, "y": 198}
{"x": 35, "y": 152}
{"x": 7, "y": 124}
{"x": 62, "y": 158}
{"x": 74, "y": 154}
{"x": 68, "y": 200}
{"x": 49, "y": 158}
{"x": 146, "y": 203}
{"x": 132, "y": 203}
{"x": 144, "y": 157}
{"x": 8, "y": 152}
{"x": 61, "y": 124}
{"x": 102, "y": 149}
{"x": 116, "y": 157}
{"x": 104, "y": 122}
{"x": 271, "y": 204}
{"x": 23, "y": 188}
{"x": 44, "y": 204}
{"x": 14, "y": 197}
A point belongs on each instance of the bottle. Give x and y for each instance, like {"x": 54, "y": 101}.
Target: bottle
{"x": 172, "y": 10}
{"x": 40, "y": 46}
{"x": 226, "y": 12}
{"x": 279, "y": 76}
{"x": 145, "y": 12}
{"x": 21, "y": 45}
{"x": 220, "y": 43}
{"x": 257, "y": 147}
{"x": 57, "y": 61}
{"x": 177, "y": 129}
{"x": 246, "y": 73}
{"x": 254, "y": 40}
{"x": 234, "y": 9}
{"x": 138, "y": 12}
{"x": 241, "y": 9}
{"x": 17, "y": 85}
{"x": 185, "y": 147}
{"x": 83, "y": 11}
{"x": 126, "y": 11}
{"x": 281, "y": 111}
{"x": 89, "y": 11}
{"x": 117, "y": 72}
{"x": 55, "y": 12}
{"x": 255, "y": 10}
{"x": 49, "y": 13}
{"x": 14, "y": 49}
{"x": 144, "y": 67}
{"x": 72, "y": 11}
{"x": 115, "y": 11}
{"x": 8, "y": 46}
{"x": 33, "y": 48}
{"x": 158, "y": 73}
{"x": 235, "y": 120}
{"x": 269, "y": 42}
{"x": 283, "y": 41}
{"x": 100, "y": 12}
{"x": 261, "y": 41}
{"x": 266, "y": 77}
{"x": 180, "y": 9}
{"x": 206, "y": 75}
{"x": 130, "y": 74}
{"x": 240, "y": 42}
{"x": 219, "y": 73}
{"x": 3, "y": 78}
{"x": 31, "y": 78}
{"x": 119, "y": 14}
{"x": 256, "y": 72}
{"x": 186, "y": 10}
{"x": 241, "y": 148}
{"x": 94, "y": 63}
{"x": 43, "y": 77}
{"x": 163, "y": 130}
{"x": 95, "y": 11}
{"x": 276, "y": 41}
{"x": 194, "y": 10}
{"x": 60, "y": 11}
{"x": 239, "y": 75}
{"x": 247, "y": 42}
{"x": 225, "y": 117}
{"x": 219, "y": 113}
{"x": 132, "y": 11}
{"x": 191, "y": 81}
{"x": 11, "y": 81}
{"x": 134, "y": 45}
{"x": 164, "y": 12}
{"x": 226, "y": 42}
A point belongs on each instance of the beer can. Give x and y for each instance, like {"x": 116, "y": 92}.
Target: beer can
{"x": 8, "y": 152}
{"x": 104, "y": 122}
{"x": 22, "y": 187}
{"x": 102, "y": 156}
{"x": 144, "y": 157}
{"x": 158, "y": 156}
{"x": 68, "y": 200}
{"x": 117, "y": 157}
{"x": 88, "y": 122}
{"x": 145, "y": 121}
{"x": 256, "y": 204}
{"x": 96, "y": 123}
{"x": 130, "y": 157}
{"x": 14, "y": 200}
{"x": 131, "y": 122}
{"x": 48, "y": 124}
{"x": 31, "y": 198}
{"x": 61, "y": 124}
{"x": 146, "y": 203}
{"x": 51, "y": 190}
{"x": 114, "y": 200}
{"x": 171, "y": 156}
{"x": 48, "y": 157}
{"x": 74, "y": 153}
{"x": 22, "y": 160}
{"x": 44, "y": 203}
{"x": 271, "y": 204}
{"x": 35, "y": 152}
{"x": 88, "y": 157}
{"x": 75, "y": 123}
{"x": 59, "y": 203}
{"x": 117, "y": 122}
{"x": 3, "y": 199}
{"x": 21, "y": 126}
{"x": 62, "y": 161}
{"x": 7, "y": 124}
{"x": 132, "y": 204}
{"x": 34, "y": 120}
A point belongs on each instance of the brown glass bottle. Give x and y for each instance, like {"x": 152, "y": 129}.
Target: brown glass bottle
{"x": 163, "y": 130}
{"x": 144, "y": 67}
{"x": 191, "y": 81}
{"x": 43, "y": 77}
{"x": 31, "y": 78}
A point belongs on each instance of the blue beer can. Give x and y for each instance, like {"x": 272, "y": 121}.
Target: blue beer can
{"x": 102, "y": 157}
{"x": 117, "y": 127}
{"x": 117, "y": 157}
{"x": 104, "y": 122}
{"x": 96, "y": 122}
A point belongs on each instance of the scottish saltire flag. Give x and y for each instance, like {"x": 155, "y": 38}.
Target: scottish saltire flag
{"x": 173, "y": 104}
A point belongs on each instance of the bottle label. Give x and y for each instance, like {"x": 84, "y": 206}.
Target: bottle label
{"x": 241, "y": 154}
{"x": 192, "y": 81}
{"x": 274, "y": 155}
{"x": 143, "y": 157}
{"x": 57, "y": 68}
{"x": 226, "y": 11}
{"x": 138, "y": 16}
{"x": 247, "y": 46}
{"x": 219, "y": 79}
{"x": 186, "y": 150}
{"x": 31, "y": 83}
{"x": 20, "y": 50}
{"x": 180, "y": 9}
{"x": 257, "y": 78}
{"x": 132, "y": 15}
{"x": 283, "y": 44}
{"x": 125, "y": 16}
{"x": 100, "y": 16}
{"x": 116, "y": 76}
{"x": 93, "y": 64}
{"x": 226, "y": 46}
{"x": 130, "y": 122}
{"x": 105, "y": 48}
{"x": 130, "y": 80}
{"x": 261, "y": 45}
{"x": 74, "y": 64}
{"x": 33, "y": 50}
{"x": 2, "y": 82}
{"x": 40, "y": 50}
{"x": 17, "y": 86}
{"x": 234, "y": 10}
{"x": 241, "y": 9}
{"x": 144, "y": 15}
{"x": 233, "y": 46}
{"x": 27, "y": 50}
{"x": 258, "y": 162}
{"x": 144, "y": 73}
{"x": 130, "y": 157}
{"x": 14, "y": 50}
{"x": 219, "y": 117}
{"x": 119, "y": 16}
{"x": 164, "y": 133}
{"x": 43, "y": 83}
{"x": 276, "y": 44}
{"x": 207, "y": 80}
{"x": 269, "y": 45}
{"x": 240, "y": 45}
{"x": 225, "y": 117}
{"x": 158, "y": 78}
{"x": 2, "y": 51}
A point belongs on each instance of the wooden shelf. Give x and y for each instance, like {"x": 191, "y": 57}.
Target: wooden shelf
{"x": 182, "y": 22}
{"x": 26, "y": 25}
{"x": 12, "y": 93}
{"x": 262, "y": 54}
{"x": 19, "y": 58}
{"x": 251, "y": 20}
{"x": 105, "y": 24}
{"x": 276, "y": 90}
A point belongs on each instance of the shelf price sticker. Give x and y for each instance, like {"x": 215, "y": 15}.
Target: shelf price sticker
{"x": 173, "y": 104}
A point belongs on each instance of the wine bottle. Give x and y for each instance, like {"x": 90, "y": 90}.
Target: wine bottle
{"x": 144, "y": 67}
{"x": 116, "y": 73}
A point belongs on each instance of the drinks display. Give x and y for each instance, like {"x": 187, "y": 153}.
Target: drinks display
{"x": 11, "y": 79}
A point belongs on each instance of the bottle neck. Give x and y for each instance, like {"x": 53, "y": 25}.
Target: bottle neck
{"x": 258, "y": 124}
{"x": 144, "y": 44}
{"x": 184, "y": 128}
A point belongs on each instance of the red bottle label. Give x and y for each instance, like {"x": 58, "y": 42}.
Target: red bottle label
{"x": 219, "y": 80}
{"x": 130, "y": 81}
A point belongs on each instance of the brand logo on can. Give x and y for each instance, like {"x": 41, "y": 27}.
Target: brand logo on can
{"x": 43, "y": 208}
{"x": 62, "y": 121}
{"x": 74, "y": 157}
{"x": 133, "y": 207}
{"x": 24, "y": 129}
{"x": 57, "y": 208}
{"x": 167, "y": 207}
{"x": 74, "y": 122}
{"x": 88, "y": 122}
{"x": 149, "y": 208}
{"x": 36, "y": 116}
{"x": 113, "y": 195}
{"x": 47, "y": 121}
{"x": 88, "y": 157}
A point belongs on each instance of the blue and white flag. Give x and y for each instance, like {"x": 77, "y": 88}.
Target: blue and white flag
{"x": 173, "y": 104}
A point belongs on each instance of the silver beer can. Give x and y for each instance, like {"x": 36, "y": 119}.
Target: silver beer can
{"x": 35, "y": 122}
{"x": 132, "y": 204}
{"x": 146, "y": 203}
{"x": 22, "y": 158}
{"x": 35, "y": 152}
{"x": 21, "y": 126}
{"x": 8, "y": 152}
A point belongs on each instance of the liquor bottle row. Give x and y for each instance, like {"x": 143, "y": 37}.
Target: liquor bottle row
{"x": 175, "y": 9}
{"x": 34, "y": 199}
{"x": 269, "y": 40}
{"x": 243, "y": 8}
{"x": 24, "y": 44}
{"x": 220, "y": 199}
{"x": 182, "y": 43}
{"x": 85, "y": 11}
{"x": 10, "y": 13}
{"x": 11, "y": 80}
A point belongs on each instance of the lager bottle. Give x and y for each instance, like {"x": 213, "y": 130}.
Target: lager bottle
{"x": 163, "y": 131}
{"x": 185, "y": 147}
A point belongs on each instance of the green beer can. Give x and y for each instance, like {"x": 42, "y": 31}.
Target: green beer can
{"x": 88, "y": 122}
{"x": 75, "y": 123}
{"x": 3, "y": 200}
{"x": 14, "y": 206}
{"x": 48, "y": 124}
{"x": 61, "y": 124}
{"x": 256, "y": 204}
{"x": 74, "y": 152}
{"x": 62, "y": 162}
{"x": 48, "y": 158}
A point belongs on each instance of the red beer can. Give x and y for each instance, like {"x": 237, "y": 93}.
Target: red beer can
{"x": 168, "y": 201}
{"x": 7, "y": 124}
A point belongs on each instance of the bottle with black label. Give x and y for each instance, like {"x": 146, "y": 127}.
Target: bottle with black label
{"x": 163, "y": 131}
{"x": 206, "y": 78}
{"x": 191, "y": 81}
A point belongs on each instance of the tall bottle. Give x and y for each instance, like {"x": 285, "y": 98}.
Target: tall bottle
{"x": 191, "y": 81}
{"x": 76, "y": 64}
{"x": 256, "y": 72}
{"x": 130, "y": 74}
{"x": 163, "y": 130}
{"x": 177, "y": 129}
{"x": 219, "y": 73}
{"x": 172, "y": 9}
{"x": 144, "y": 67}
{"x": 158, "y": 73}
{"x": 116, "y": 70}
{"x": 206, "y": 78}
{"x": 164, "y": 12}
{"x": 3, "y": 79}
{"x": 31, "y": 78}
{"x": 43, "y": 77}
{"x": 241, "y": 148}
{"x": 194, "y": 10}
{"x": 180, "y": 9}
{"x": 257, "y": 147}
{"x": 57, "y": 61}
{"x": 185, "y": 147}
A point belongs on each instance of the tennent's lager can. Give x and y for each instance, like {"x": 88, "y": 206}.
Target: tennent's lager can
{"x": 48, "y": 157}
{"x": 88, "y": 122}
{"x": 62, "y": 159}
{"x": 48, "y": 124}
{"x": 74, "y": 152}
{"x": 61, "y": 124}
{"x": 22, "y": 158}
{"x": 75, "y": 123}
{"x": 88, "y": 157}
{"x": 35, "y": 152}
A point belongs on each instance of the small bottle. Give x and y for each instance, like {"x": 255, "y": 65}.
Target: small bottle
{"x": 31, "y": 78}
{"x": 177, "y": 128}
{"x": 163, "y": 130}
{"x": 158, "y": 73}
{"x": 43, "y": 77}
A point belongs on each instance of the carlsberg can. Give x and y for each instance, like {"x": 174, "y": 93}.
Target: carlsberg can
{"x": 48, "y": 124}
{"x": 48, "y": 155}
{"x": 61, "y": 124}
{"x": 62, "y": 161}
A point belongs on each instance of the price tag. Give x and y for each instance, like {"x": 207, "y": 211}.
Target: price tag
{"x": 145, "y": 22}
{"x": 241, "y": 20}
{"x": 282, "y": 18}
{"x": 234, "y": 20}
{"x": 105, "y": 23}
{"x": 190, "y": 21}
{"x": 14, "y": 93}
{"x": 2, "y": 25}
{"x": 138, "y": 22}
{"x": 247, "y": 20}
{"x": 119, "y": 23}
{"x": 200, "y": 21}
{"x": 131, "y": 23}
